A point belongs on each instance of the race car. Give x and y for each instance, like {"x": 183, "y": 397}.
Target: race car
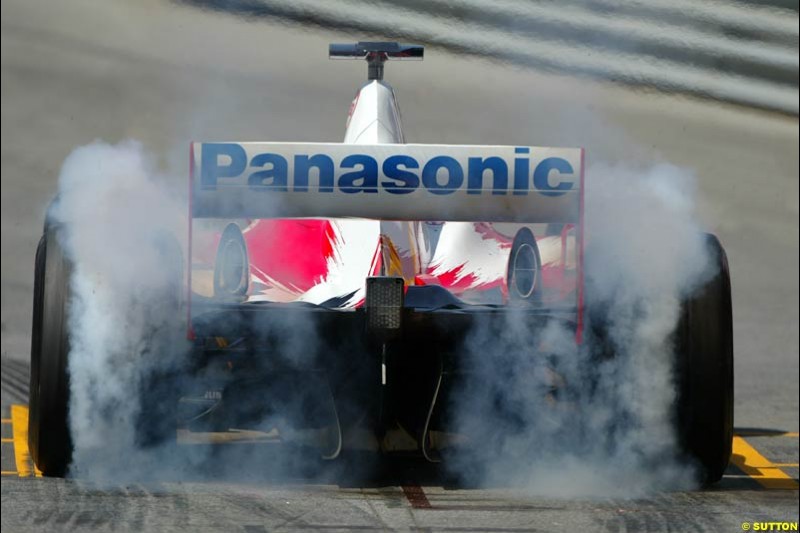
{"x": 330, "y": 287}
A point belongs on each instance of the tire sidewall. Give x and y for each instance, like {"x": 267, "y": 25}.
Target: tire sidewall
{"x": 704, "y": 370}
{"x": 49, "y": 436}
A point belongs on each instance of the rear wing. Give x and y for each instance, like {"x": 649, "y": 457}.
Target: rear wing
{"x": 387, "y": 50}
{"x": 524, "y": 184}
{"x": 388, "y": 182}
{"x": 376, "y": 54}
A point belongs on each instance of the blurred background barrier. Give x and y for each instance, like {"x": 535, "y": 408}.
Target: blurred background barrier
{"x": 739, "y": 51}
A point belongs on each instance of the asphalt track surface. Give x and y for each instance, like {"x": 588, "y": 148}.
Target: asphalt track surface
{"x": 165, "y": 73}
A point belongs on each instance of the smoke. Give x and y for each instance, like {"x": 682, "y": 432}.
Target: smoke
{"x": 541, "y": 412}
{"x": 567, "y": 421}
{"x": 124, "y": 228}
{"x": 124, "y": 232}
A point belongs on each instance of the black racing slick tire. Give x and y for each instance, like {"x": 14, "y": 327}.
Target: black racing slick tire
{"x": 49, "y": 437}
{"x": 704, "y": 370}
{"x": 524, "y": 269}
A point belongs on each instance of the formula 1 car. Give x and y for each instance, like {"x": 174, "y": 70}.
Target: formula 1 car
{"x": 330, "y": 287}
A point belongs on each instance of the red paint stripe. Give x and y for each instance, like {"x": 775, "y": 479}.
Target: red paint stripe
{"x": 581, "y": 238}
{"x": 416, "y": 497}
{"x": 294, "y": 252}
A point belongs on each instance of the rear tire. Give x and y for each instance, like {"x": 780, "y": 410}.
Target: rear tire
{"x": 705, "y": 370}
{"x": 49, "y": 438}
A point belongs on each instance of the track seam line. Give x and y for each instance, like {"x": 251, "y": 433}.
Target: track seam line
{"x": 20, "y": 373}
{"x": 15, "y": 388}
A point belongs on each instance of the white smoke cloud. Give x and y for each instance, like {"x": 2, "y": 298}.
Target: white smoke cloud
{"x": 124, "y": 231}
{"x": 569, "y": 424}
{"x": 611, "y": 431}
